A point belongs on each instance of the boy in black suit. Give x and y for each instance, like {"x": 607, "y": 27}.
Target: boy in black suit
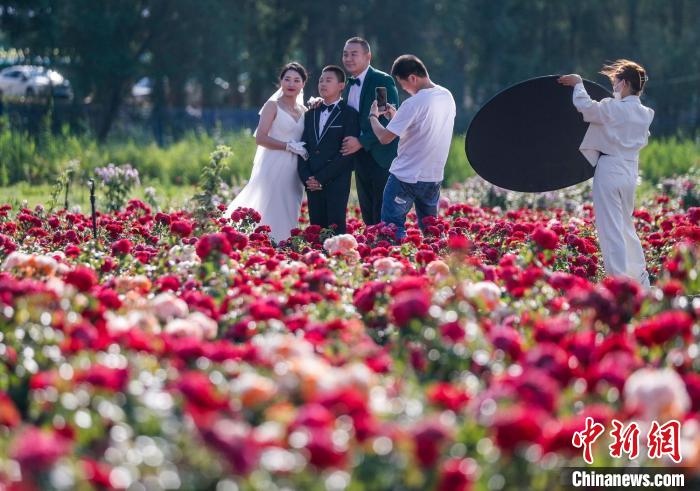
{"x": 327, "y": 173}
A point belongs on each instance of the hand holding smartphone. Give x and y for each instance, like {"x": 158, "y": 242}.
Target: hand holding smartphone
{"x": 381, "y": 99}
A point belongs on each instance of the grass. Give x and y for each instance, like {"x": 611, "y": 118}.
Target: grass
{"x": 40, "y": 159}
{"x": 30, "y": 165}
{"x": 23, "y": 194}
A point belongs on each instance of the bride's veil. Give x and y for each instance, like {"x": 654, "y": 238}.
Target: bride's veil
{"x": 277, "y": 95}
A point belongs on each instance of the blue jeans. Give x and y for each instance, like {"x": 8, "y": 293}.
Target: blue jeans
{"x": 400, "y": 196}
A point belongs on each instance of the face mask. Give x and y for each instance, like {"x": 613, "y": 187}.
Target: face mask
{"x": 617, "y": 90}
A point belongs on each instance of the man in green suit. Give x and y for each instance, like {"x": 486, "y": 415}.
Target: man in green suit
{"x": 372, "y": 159}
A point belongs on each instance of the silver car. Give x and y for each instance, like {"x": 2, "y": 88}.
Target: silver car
{"x": 33, "y": 81}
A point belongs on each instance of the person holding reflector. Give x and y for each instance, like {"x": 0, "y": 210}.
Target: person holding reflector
{"x": 618, "y": 130}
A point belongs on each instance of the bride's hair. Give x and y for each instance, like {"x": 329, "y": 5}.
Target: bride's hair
{"x": 297, "y": 67}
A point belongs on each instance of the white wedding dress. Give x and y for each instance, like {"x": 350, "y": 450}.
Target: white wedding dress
{"x": 274, "y": 189}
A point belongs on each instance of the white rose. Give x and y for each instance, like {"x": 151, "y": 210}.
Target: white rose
{"x": 656, "y": 393}
{"x": 168, "y": 306}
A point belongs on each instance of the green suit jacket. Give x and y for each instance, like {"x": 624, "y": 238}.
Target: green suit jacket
{"x": 382, "y": 154}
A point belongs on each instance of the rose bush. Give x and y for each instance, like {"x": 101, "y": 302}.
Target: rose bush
{"x": 179, "y": 355}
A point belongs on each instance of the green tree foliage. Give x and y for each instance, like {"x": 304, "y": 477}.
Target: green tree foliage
{"x": 473, "y": 47}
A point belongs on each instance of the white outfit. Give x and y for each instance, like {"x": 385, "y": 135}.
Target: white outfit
{"x": 424, "y": 124}
{"x": 356, "y": 90}
{"x": 274, "y": 189}
{"x": 619, "y": 129}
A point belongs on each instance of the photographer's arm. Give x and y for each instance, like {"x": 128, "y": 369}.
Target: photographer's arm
{"x": 383, "y": 135}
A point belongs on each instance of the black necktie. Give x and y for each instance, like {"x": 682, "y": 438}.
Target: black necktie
{"x": 328, "y": 108}
{"x": 354, "y": 81}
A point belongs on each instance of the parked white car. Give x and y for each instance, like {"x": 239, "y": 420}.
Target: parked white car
{"x": 33, "y": 81}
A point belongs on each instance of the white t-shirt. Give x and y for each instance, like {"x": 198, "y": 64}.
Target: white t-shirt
{"x": 424, "y": 124}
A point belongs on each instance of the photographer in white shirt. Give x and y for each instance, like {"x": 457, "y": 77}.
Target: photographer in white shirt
{"x": 424, "y": 124}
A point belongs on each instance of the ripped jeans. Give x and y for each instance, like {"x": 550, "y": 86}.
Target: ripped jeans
{"x": 400, "y": 196}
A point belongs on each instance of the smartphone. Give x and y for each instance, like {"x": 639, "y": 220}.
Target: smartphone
{"x": 381, "y": 99}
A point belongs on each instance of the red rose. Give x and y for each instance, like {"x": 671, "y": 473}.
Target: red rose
{"x": 672, "y": 288}
{"x": 97, "y": 473}
{"x": 42, "y": 380}
{"x": 452, "y": 331}
{"x": 379, "y": 362}
{"x": 162, "y": 218}
{"x": 447, "y": 396}
{"x": 429, "y": 438}
{"x": 507, "y": 339}
{"x": 552, "y": 359}
{"x": 405, "y": 283}
{"x": 456, "y": 475}
{"x": 121, "y": 247}
{"x": 170, "y": 282}
{"x": 108, "y": 264}
{"x": 536, "y": 388}
{"x": 517, "y": 425}
{"x": 552, "y": 329}
{"x": 113, "y": 379}
{"x": 72, "y": 250}
{"x": 545, "y": 238}
{"x": 664, "y": 327}
{"x": 418, "y": 357}
{"x": 614, "y": 368}
{"x": 82, "y": 277}
{"x": 237, "y": 240}
{"x": 581, "y": 345}
{"x": 242, "y": 452}
{"x": 313, "y": 415}
{"x": 322, "y": 452}
{"x": 109, "y": 298}
{"x": 459, "y": 243}
{"x": 364, "y": 298}
{"x": 694, "y": 215}
{"x": 408, "y": 305}
{"x": 37, "y": 449}
{"x": 200, "y": 391}
{"x": 425, "y": 256}
{"x": 212, "y": 243}
{"x": 181, "y": 228}
{"x": 262, "y": 310}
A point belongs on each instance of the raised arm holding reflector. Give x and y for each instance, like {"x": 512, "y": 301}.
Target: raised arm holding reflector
{"x": 527, "y": 137}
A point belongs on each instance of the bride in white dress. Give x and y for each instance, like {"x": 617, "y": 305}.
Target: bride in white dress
{"x": 274, "y": 189}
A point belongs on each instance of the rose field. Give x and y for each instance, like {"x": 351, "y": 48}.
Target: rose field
{"x": 181, "y": 349}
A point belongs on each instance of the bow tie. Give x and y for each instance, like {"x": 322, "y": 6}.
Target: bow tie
{"x": 354, "y": 81}
{"x": 328, "y": 108}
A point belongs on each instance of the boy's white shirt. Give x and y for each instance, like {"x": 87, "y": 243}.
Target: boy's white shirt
{"x": 617, "y": 127}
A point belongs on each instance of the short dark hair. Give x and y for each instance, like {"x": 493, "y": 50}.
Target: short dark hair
{"x": 297, "y": 67}
{"x": 406, "y": 65}
{"x": 361, "y": 41}
{"x": 337, "y": 70}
